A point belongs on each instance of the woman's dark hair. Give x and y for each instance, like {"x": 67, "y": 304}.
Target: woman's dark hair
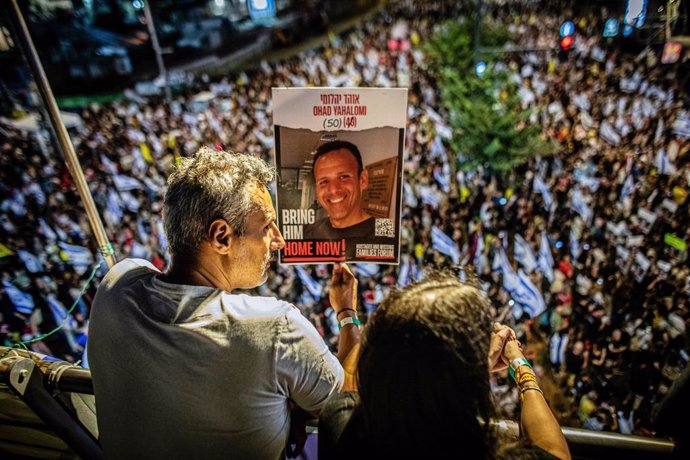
{"x": 423, "y": 372}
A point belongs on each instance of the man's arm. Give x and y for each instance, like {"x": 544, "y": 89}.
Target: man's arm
{"x": 343, "y": 297}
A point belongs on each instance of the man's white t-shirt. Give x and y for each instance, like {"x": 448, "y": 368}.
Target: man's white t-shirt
{"x": 194, "y": 372}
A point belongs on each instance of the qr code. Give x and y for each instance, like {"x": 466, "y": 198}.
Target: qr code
{"x": 384, "y": 227}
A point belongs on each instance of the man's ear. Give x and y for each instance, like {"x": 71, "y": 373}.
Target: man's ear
{"x": 220, "y": 235}
{"x": 363, "y": 179}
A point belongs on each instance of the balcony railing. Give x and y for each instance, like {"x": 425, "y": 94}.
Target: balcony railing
{"x": 47, "y": 409}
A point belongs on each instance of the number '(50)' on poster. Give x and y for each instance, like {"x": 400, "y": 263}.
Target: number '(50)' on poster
{"x": 339, "y": 154}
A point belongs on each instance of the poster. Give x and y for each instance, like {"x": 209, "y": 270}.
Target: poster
{"x": 339, "y": 155}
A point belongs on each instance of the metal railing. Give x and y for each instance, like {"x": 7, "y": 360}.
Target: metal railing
{"x": 38, "y": 383}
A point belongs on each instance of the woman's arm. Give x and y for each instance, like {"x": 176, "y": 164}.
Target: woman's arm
{"x": 538, "y": 422}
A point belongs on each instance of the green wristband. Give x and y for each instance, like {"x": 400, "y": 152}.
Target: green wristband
{"x": 514, "y": 364}
{"x": 349, "y": 320}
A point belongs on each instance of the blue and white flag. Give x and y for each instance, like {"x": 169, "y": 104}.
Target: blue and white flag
{"x": 77, "y": 256}
{"x": 32, "y": 263}
{"x": 139, "y": 251}
{"x": 524, "y": 254}
{"x": 309, "y": 283}
{"x": 681, "y": 127}
{"x": 367, "y": 269}
{"x": 574, "y": 244}
{"x": 404, "y": 273}
{"x": 23, "y": 302}
{"x": 125, "y": 183}
{"x": 429, "y": 196}
{"x": 109, "y": 166}
{"x": 510, "y": 280}
{"x": 545, "y": 260}
{"x": 160, "y": 233}
{"x": 479, "y": 260}
{"x": 437, "y": 150}
{"x": 444, "y": 244}
{"x": 442, "y": 176}
{"x": 541, "y": 187}
{"x": 520, "y": 287}
{"x": 46, "y": 230}
{"x": 130, "y": 202}
{"x": 664, "y": 164}
{"x": 141, "y": 230}
{"x": 113, "y": 208}
{"x": 530, "y": 297}
{"x": 580, "y": 206}
{"x": 409, "y": 197}
{"x": 628, "y": 187}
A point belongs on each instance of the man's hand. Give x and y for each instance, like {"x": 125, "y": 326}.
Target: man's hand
{"x": 343, "y": 290}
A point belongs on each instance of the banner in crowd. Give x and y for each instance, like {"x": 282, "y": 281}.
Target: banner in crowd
{"x": 339, "y": 156}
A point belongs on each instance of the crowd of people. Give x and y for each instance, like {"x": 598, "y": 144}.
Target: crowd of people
{"x": 610, "y": 206}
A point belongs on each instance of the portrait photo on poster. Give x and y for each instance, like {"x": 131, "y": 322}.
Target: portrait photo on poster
{"x": 338, "y": 193}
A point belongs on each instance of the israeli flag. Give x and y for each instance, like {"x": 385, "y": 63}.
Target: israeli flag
{"x": 131, "y": 203}
{"x": 139, "y": 251}
{"x": 628, "y": 187}
{"x": 664, "y": 164}
{"x": 109, "y": 166}
{"x": 141, "y": 230}
{"x": 444, "y": 244}
{"x": 77, "y": 256}
{"x": 23, "y": 302}
{"x": 442, "y": 178}
{"x": 479, "y": 260}
{"x": 408, "y": 196}
{"x": 541, "y": 187}
{"x": 429, "y": 196}
{"x": 681, "y": 127}
{"x": 437, "y": 150}
{"x": 367, "y": 269}
{"x": 524, "y": 254}
{"x": 530, "y": 297}
{"x": 579, "y": 205}
{"x": 574, "y": 244}
{"x": 32, "y": 263}
{"x": 113, "y": 208}
{"x": 404, "y": 273}
{"x": 45, "y": 230}
{"x": 125, "y": 183}
{"x": 160, "y": 233}
{"x": 496, "y": 263}
{"x": 309, "y": 283}
{"x": 545, "y": 261}
{"x": 510, "y": 280}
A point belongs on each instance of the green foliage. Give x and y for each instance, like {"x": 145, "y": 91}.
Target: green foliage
{"x": 489, "y": 127}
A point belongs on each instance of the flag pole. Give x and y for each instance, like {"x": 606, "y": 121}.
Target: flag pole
{"x": 63, "y": 139}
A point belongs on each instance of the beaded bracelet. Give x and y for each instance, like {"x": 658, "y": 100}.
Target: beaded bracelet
{"x": 346, "y": 309}
{"x": 526, "y": 378}
{"x": 526, "y": 389}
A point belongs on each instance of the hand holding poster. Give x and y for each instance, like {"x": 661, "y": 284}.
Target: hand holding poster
{"x": 339, "y": 160}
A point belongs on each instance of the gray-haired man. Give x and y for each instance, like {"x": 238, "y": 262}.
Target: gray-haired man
{"x": 183, "y": 368}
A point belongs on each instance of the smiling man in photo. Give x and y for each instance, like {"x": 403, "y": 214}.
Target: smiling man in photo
{"x": 340, "y": 179}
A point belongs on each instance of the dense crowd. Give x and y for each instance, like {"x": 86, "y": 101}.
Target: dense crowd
{"x": 610, "y": 206}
